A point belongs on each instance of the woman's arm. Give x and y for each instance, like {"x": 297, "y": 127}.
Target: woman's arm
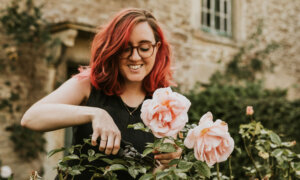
{"x": 61, "y": 109}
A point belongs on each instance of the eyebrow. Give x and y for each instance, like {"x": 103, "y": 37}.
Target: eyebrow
{"x": 142, "y": 41}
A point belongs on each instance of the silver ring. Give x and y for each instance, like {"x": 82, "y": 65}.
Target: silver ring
{"x": 103, "y": 139}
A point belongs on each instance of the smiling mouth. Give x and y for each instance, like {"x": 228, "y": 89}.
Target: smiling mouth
{"x": 135, "y": 67}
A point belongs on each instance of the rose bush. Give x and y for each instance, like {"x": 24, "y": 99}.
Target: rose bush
{"x": 165, "y": 115}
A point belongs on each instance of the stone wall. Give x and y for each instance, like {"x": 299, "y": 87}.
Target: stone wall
{"x": 196, "y": 54}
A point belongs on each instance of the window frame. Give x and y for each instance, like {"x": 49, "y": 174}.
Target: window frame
{"x": 238, "y": 32}
{"x": 225, "y": 18}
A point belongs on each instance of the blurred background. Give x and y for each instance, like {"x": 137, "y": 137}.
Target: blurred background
{"x": 227, "y": 54}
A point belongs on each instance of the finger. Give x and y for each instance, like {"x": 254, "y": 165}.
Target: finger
{"x": 103, "y": 142}
{"x": 94, "y": 138}
{"x": 155, "y": 151}
{"x": 110, "y": 144}
{"x": 167, "y": 156}
{"x": 116, "y": 145}
{"x": 165, "y": 162}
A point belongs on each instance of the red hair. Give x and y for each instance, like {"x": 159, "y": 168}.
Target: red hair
{"x": 108, "y": 44}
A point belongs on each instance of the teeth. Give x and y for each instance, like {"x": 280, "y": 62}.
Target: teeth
{"x": 135, "y": 67}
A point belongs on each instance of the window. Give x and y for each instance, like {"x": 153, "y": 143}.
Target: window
{"x": 216, "y": 17}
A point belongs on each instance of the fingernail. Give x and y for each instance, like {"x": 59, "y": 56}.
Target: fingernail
{"x": 155, "y": 157}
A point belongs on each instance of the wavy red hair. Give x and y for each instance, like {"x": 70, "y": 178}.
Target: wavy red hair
{"x": 108, "y": 44}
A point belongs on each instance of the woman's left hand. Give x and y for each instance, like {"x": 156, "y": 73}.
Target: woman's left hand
{"x": 165, "y": 158}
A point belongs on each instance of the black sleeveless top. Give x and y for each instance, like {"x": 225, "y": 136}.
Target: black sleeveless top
{"x": 116, "y": 109}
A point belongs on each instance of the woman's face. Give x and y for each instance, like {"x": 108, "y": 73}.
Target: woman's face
{"x": 137, "y": 60}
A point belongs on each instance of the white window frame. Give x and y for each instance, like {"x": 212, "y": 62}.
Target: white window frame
{"x": 224, "y": 29}
{"x": 237, "y": 25}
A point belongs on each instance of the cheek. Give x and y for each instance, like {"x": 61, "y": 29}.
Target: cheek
{"x": 150, "y": 63}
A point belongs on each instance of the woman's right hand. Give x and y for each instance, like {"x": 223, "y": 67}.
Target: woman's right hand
{"x": 105, "y": 128}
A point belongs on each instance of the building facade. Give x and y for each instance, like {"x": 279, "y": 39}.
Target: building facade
{"x": 204, "y": 35}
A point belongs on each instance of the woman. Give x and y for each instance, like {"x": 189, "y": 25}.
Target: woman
{"x": 130, "y": 59}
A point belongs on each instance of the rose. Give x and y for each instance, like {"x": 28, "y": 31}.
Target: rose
{"x": 249, "y": 111}
{"x": 5, "y": 172}
{"x": 166, "y": 113}
{"x": 211, "y": 141}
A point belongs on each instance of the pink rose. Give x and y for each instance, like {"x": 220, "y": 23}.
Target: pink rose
{"x": 166, "y": 113}
{"x": 249, "y": 111}
{"x": 211, "y": 141}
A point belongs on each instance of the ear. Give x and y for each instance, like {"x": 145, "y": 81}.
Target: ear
{"x": 158, "y": 44}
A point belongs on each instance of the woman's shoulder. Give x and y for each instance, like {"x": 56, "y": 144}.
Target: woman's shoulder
{"x": 82, "y": 85}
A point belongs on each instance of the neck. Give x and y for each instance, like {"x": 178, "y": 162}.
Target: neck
{"x": 133, "y": 94}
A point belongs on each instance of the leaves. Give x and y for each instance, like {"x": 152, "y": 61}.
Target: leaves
{"x": 54, "y": 151}
{"x": 147, "y": 151}
{"x": 185, "y": 166}
{"x": 70, "y": 157}
{"x": 202, "y": 168}
{"x": 275, "y": 138}
{"x": 139, "y": 126}
{"x": 148, "y": 176}
{"x": 117, "y": 167}
{"x": 166, "y": 147}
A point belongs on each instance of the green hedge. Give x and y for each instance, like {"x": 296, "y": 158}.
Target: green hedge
{"x": 228, "y": 102}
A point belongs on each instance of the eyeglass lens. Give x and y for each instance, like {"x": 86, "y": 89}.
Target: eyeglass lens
{"x": 144, "y": 50}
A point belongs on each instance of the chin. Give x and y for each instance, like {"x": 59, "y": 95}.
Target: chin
{"x": 135, "y": 79}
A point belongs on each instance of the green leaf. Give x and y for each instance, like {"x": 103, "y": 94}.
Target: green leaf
{"x": 238, "y": 150}
{"x": 167, "y": 147}
{"x": 157, "y": 143}
{"x": 132, "y": 171}
{"x": 91, "y": 152}
{"x": 202, "y": 168}
{"x": 142, "y": 170}
{"x": 275, "y": 138}
{"x": 117, "y": 167}
{"x": 54, "y": 151}
{"x": 277, "y": 152}
{"x": 147, "y": 151}
{"x": 87, "y": 141}
{"x": 138, "y": 126}
{"x": 174, "y": 161}
{"x": 74, "y": 172}
{"x": 71, "y": 150}
{"x": 185, "y": 166}
{"x": 78, "y": 167}
{"x": 179, "y": 143}
{"x": 119, "y": 161}
{"x": 108, "y": 161}
{"x": 146, "y": 177}
{"x": 70, "y": 157}
{"x": 181, "y": 175}
{"x": 161, "y": 175}
{"x": 83, "y": 156}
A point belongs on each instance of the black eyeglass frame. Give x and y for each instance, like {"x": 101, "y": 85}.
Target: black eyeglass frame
{"x": 136, "y": 47}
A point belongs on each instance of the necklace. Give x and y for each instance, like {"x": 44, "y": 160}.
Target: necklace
{"x": 130, "y": 112}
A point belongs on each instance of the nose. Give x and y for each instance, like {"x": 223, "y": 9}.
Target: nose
{"x": 135, "y": 55}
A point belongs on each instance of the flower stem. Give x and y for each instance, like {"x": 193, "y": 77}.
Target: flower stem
{"x": 218, "y": 170}
{"x": 252, "y": 159}
{"x": 289, "y": 172}
{"x": 230, "y": 169}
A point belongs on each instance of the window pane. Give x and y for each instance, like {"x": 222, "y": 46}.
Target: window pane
{"x": 208, "y": 4}
{"x": 225, "y": 25}
{"x": 208, "y": 19}
{"x": 203, "y": 18}
{"x": 217, "y": 5}
{"x": 217, "y": 22}
{"x": 225, "y": 7}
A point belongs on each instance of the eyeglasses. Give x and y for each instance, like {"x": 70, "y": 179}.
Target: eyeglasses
{"x": 144, "y": 50}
